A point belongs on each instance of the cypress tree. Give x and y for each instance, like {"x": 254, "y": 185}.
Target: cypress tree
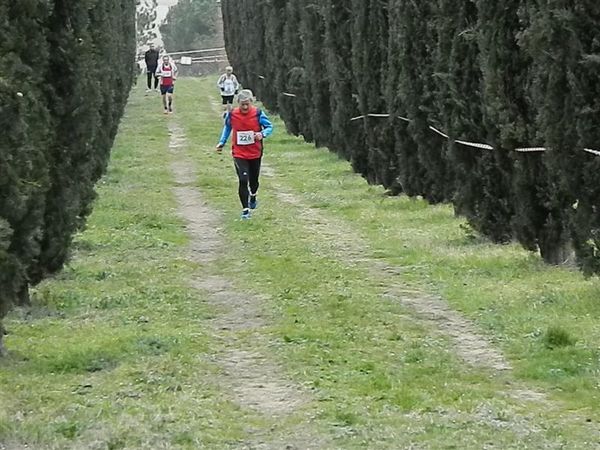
{"x": 555, "y": 51}
{"x": 291, "y": 72}
{"x": 244, "y": 28}
{"x": 586, "y": 224}
{"x": 23, "y": 164}
{"x": 418, "y": 91}
{"x": 411, "y": 173}
{"x": 362, "y": 72}
{"x": 459, "y": 102}
{"x": 233, "y": 43}
{"x": 484, "y": 187}
{"x": 511, "y": 118}
{"x": 253, "y": 33}
{"x": 74, "y": 105}
{"x": 511, "y": 74}
{"x": 337, "y": 18}
{"x": 373, "y": 149}
{"x": 312, "y": 31}
{"x": 268, "y": 21}
{"x": 71, "y": 63}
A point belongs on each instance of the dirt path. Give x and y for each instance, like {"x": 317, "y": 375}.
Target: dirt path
{"x": 350, "y": 247}
{"x": 336, "y": 238}
{"x": 252, "y": 380}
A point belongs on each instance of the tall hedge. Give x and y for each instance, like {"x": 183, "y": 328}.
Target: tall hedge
{"x": 65, "y": 71}
{"x": 291, "y": 81}
{"x": 338, "y": 66}
{"x": 505, "y": 76}
{"x": 586, "y": 216}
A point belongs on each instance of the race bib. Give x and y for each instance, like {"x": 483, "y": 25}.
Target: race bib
{"x": 229, "y": 87}
{"x": 245, "y": 137}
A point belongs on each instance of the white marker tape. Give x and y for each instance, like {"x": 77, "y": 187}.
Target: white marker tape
{"x": 531, "y": 149}
{"x": 475, "y": 144}
{"x": 593, "y": 152}
{"x": 438, "y": 132}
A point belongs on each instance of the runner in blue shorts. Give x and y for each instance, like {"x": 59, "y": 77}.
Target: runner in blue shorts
{"x": 167, "y": 71}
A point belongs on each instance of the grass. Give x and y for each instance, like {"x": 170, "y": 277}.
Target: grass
{"x": 117, "y": 352}
{"x": 111, "y": 354}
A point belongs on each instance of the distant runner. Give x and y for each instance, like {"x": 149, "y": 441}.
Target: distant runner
{"x": 250, "y": 126}
{"x": 167, "y": 72}
{"x": 151, "y": 58}
{"x": 228, "y": 84}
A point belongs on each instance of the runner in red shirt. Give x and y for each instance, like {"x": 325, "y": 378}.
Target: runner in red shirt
{"x": 167, "y": 72}
{"x": 250, "y": 126}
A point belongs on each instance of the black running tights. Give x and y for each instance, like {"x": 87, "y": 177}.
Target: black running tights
{"x": 248, "y": 171}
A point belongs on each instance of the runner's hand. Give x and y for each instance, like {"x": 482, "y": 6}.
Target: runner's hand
{"x": 258, "y": 136}
{"x": 219, "y": 148}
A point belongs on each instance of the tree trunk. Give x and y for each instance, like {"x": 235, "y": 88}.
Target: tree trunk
{"x": 558, "y": 254}
{"x": 3, "y": 351}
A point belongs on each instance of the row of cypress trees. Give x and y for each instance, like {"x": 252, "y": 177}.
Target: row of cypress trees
{"x": 511, "y": 74}
{"x": 66, "y": 68}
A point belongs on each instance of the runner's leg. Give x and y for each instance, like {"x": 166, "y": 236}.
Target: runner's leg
{"x": 243, "y": 172}
{"x": 225, "y": 105}
{"x": 254, "y": 173}
{"x": 164, "y": 100}
{"x": 170, "y": 101}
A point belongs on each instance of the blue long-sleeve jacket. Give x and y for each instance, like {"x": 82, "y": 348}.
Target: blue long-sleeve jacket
{"x": 265, "y": 123}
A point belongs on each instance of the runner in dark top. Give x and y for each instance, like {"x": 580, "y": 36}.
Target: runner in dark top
{"x": 151, "y": 58}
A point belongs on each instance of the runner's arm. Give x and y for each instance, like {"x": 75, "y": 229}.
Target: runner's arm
{"x": 265, "y": 123}
{"x": 226, "y": 131}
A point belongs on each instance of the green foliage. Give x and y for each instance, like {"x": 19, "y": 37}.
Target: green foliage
{"x": 556, "y": 336}
{"x": 417, "y": 93}
{"x": 509, "y": 74}
{"x": 190, "y": 25}
{"x": 317, "y": 91}
{"x": 65, "y": 71}
{"x": 291, "y": 79}
{"x": 145, "y": 21}
{"x": 338, "y": 62}
{"x": 374, "y": 138}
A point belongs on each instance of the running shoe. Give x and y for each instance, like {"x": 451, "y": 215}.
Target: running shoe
{"x": 245, "y": 214}
{"x": 253, "y": 203}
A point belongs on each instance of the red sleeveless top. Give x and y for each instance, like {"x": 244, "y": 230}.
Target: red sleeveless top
{"x": 243, "y": 126}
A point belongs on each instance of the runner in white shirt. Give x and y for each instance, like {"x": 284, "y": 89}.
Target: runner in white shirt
{"x": 228, "y": 84}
